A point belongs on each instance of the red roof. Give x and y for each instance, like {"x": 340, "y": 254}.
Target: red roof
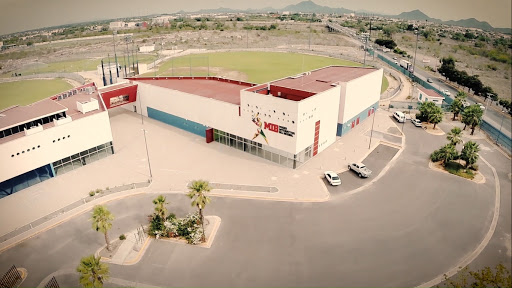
{"x": 323, "y": 79}
{"x": 430, "y": 92}
{"x": 210, "y": 87}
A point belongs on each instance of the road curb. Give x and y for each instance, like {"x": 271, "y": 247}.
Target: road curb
{"x": 473, "y": 255}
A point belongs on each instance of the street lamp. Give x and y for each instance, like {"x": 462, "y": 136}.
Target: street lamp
{"x": 147, "y": 153}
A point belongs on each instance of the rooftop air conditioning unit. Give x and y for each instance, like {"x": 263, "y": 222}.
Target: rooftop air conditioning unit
{"x": 59, "y": 97}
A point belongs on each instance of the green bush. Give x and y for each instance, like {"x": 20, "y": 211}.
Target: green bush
{"x": 459, "y": 170}
{"x": 92, "y": 193}
{"x": 435, "y": 156}
{"x": 122, "y": 237}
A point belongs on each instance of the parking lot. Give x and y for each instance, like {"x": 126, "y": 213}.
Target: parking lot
{"x": 375, "y": 161}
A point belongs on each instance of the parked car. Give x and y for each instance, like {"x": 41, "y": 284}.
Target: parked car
{"x": 399, "y": 116}
{"x": 481, "y": 106}
{"x": 394, "y": 58}
{"x": 429, "y": 80}
{"x": 416, "y": 122}
{"x": 465, "y": 103}
{"x": 447, "y": 93}
{"x": 332, "y": 178}
{"x": 360, "y": 169}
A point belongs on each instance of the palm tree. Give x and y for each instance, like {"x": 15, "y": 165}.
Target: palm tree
{"x": 197, "y": 192}
{"x": 93, "y": 273}
{"x": 447, "y": 153}
{"x": 102, "y": 221}
{"x": 436, "y": 116}
{"x": 160, "y": 209}
{"x": 469, "y": 153}
{"x": 454, "y": 136}
{"x": 456, "y": 107}
{"x": 461, "y": 95}
{"x": 472, "y": 116}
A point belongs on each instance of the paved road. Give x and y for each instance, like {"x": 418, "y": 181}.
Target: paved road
{"x": 375, "y": 161}
{"x": 490, "y": 114}
{"x": 406, "y": 228}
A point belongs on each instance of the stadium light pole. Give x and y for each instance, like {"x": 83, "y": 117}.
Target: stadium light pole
{"x": 371, "y": 133}
{"x": 127, "y": 52}
{"x": 115, "y": 54}
{"x": 147, "y": 154}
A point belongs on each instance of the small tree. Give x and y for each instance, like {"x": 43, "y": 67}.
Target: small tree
{"x": 93, "y": 273}
{"x": 436, "y": 116}
{"x": 456, "y": 107}
{"x": 197, "y": 192}
{"x": 469, "y": 153}
{"x": 102, "y": 221}
{"x": 472, "y": 116}
{"x": 160, "y": 209}
{"x": 487, "y": 277}
{"x": 454, "y": 136}
{"x": 447, "y": 153}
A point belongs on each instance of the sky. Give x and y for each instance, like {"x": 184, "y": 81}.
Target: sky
{"x": 21, "y": 15}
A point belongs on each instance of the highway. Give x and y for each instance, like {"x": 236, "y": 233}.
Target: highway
{"x": 495, "y": 118}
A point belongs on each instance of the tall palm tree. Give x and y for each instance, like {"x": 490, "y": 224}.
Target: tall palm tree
{"x": 160, "y": 209}
{"x": 469, "y": 153}
{"x": 472, "y": 116}
{"x": 197, "y": 192}
{"x": 461, "y": 95}
{"x": 93, "y": 273}
{"x": 436, "y": 116}
{"x": 447, "y": 153}
{"x": 454, "y": 136}
{"x": 102, "y": 221}
{"x": 456, "y": 107}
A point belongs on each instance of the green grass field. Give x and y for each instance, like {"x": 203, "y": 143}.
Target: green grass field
{"x": 29, "y": 91}
{"x": 385, "y": 84}
{"x": 260, "y": 67}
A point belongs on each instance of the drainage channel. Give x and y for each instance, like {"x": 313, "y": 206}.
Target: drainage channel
{"x": 251, "y": 188}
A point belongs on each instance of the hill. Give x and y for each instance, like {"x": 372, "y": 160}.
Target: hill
{"x": 311, "y": 7}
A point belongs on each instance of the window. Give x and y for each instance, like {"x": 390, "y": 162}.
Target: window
{"x": 69, "y": 136}
{"x": 12, "y": 155}
{"x": 38, "y": 146}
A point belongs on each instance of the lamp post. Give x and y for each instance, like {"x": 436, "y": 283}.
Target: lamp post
{"x": 371, "y": 133}
{"x": 147, "y": 153}
{"x": 115, "y": 54}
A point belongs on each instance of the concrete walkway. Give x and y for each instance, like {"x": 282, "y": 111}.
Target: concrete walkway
{"x": 178, "y": 157}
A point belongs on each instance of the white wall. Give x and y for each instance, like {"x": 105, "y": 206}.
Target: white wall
{"x": 252, "y": 103}
{"x": 359, "y": 94}
{"x": 209, "y": 112}
{"x": 85, "y": 133}
{"x": 324, "y": 107}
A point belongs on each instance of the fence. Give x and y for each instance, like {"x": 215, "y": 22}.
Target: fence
{"x": 72, "y": 76}
{"x": 52, "y": 283}
{"x": 497, "y": 136}
{"x": 12, "y": 278}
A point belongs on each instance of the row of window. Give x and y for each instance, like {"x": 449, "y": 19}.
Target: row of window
{"x": 83, "y": 158}
{"x": 58, "y": 139}
{"x": 28, "y": 150}
{"x": 20, "y": 128}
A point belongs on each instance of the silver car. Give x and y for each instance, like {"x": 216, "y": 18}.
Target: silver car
{"x": 360, "y": 169}
{"x": 416, "y": 122}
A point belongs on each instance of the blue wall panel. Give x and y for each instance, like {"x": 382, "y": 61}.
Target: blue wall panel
{"x": 343, "y": 128}
{"x": 25, "y": 180}
{"x": 178, "y": 122}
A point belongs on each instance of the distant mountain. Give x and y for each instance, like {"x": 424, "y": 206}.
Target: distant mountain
{"x": 504, "y": 30}
{"x": 415, "y": 15}
{"x": 311, "y": 7}
{"x": 472, "y": 23}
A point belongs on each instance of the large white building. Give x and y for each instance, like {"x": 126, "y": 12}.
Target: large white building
{"x": 57, "y": 134}
{"x": 287, "y": 121}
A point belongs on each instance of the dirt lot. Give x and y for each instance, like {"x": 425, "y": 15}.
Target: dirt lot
{"x": 429, "y": 53}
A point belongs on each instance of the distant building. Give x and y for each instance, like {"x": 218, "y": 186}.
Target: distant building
{"x": 146, "y": 49}
{"x": 161, "y": 20}
{"x": 427, "y": 95}
{"x": 116, "y": 25}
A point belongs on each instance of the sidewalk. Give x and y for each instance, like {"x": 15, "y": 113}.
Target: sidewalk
{"x": 178, "y": 157}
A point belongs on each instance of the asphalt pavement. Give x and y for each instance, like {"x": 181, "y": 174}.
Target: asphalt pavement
{"x": 375, "y": 161}
{"x": 406, "y": 228}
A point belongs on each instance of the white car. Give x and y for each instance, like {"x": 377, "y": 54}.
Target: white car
{"x": 332, "y": 178}
{"x": 447, "y": 93}
{"x": 416, "y": 122}
{"x": 360, "y": 169}
{"x": 481, "y": 106}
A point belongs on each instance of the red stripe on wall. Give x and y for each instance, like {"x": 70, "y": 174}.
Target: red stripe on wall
{"x": 317, "y": 134}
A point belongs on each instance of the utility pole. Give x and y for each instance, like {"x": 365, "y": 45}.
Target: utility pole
{"x": 310, "y": 24}
{"x": 127, "y": 52}
{"x": 115, "y": 54}
{"x": 371, "y": 133}
{"x": 109, "y": 68}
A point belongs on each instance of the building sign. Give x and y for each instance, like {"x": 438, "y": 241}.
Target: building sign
{"x": 278, "y": 129}
{"x": 270, "y": 127}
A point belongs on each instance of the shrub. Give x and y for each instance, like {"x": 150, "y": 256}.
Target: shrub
{"x": 92, "y": 193}
{"x": 435, "y": 156}
{"x": 122, "y": 237}
{"x": 156, "y": 224}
